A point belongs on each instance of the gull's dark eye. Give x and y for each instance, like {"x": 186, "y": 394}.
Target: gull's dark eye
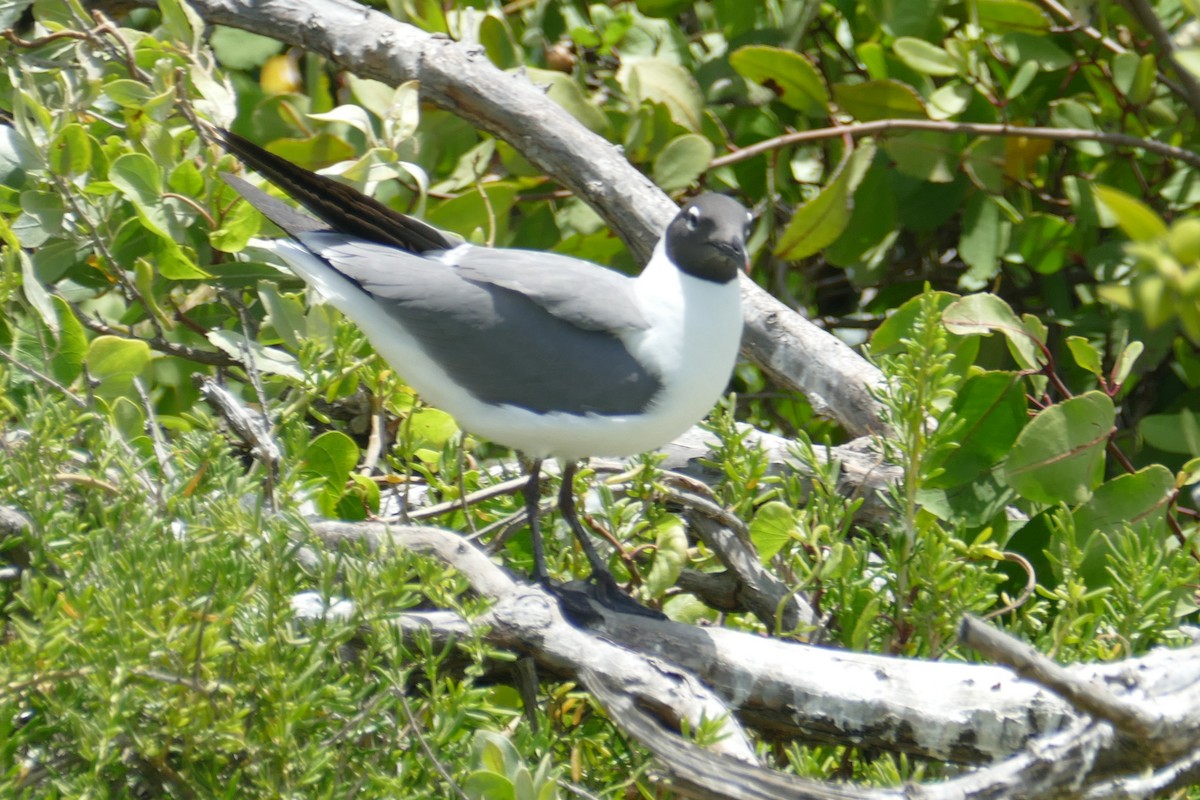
{"x": 693, "y": 218}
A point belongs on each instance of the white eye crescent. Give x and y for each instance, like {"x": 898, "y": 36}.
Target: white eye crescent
{"x": 693, "y": 218}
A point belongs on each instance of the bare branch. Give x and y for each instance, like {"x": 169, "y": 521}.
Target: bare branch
{"x": 527, "y": 619}
{"x": 1080, "y": 692}
{"x": 860, "y": 129}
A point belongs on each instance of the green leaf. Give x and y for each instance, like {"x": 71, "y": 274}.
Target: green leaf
{"x": 1135, "y": 218}
{"x": 661, "y": 81}
{"x": 1059, "y": 455}
{"x": 889, "y": 336}
{"x": 139, "y": 179}
{"x": 242, "y": 50}
{"x": 72, "y": 345}
{"x": 1021, "y": 80}
{"x": 992, "y": 409}
{"x": 819, "y": 222}
{"x": 115, "y": 362}
{"x": 332, "y": 456}
{"x": 983, "y": 239}
{"x": 1068, "y": 113}
{"x": 1043, "y": 242}
{"x": 1002, "y": 16}
{"x": 949, "y": 100}
{"x": 984, "y": 161}
{"x": 239, "y": 224}
{"x": 35, "y": 293}
{"x": 663, "y": 9}
{"x": 349, "y": 114}
{"x": 174, "y": 263}
{"x": 1189, "y": 59}
{"x": 129, "y": 93}
{"x": 41, "y": 218}
{"x": 1189, "y": 473}
{"x": 286, "y": 314}
{"x": 1085, "y": 353}
{"x": 1133, "y": 499}
{"x": 71, "y": 151}
{"x": 1023, "y": 47}
{"x": 925, "y": 57}
{"x": 929, "y": 155}
{"x": 488, "y": 785}
{"x": 919, "y": 18}
{"x": 970, "y": 504}
{"x": 886, "y": 99}
{"x": 682, "y": 161}
{"x": 773, "y": 526}
{"x": 793, "y": 79}
{"x": 1125, "y": 362}
{"x": 984, "y": 314}
{"x": 431, "y": 428}
{"x": 670, "y": 555}
{"x": 1177, "y": 432}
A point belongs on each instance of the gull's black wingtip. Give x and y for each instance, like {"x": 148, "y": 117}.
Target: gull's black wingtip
{"x": 293, "y": 222}
{"x": 342, "y": 208}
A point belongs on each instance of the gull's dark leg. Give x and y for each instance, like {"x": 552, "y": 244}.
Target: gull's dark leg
{"x": 566, "y": 504}
{"x": 532, "y": 495}
{"x": 608, "y": 591}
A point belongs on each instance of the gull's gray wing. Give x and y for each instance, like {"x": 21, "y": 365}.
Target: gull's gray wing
{"x": 587, "y": 295}
{"x": 534, "y": 349}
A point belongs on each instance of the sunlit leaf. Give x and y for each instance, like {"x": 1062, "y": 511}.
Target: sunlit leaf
{"x": 872, "y": 100}
{"x": 1136, "y": 219}
{"x": 924, "y": 56}
{"x": 790, "y": 75}
{"x": 670, "y": 555}
{"x": 682, "y": 161}
{"x": 773, "y": 526}
{"x": 1059, "y": 455}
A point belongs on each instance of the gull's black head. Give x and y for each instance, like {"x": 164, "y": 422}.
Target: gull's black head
{"x": 707, "y": 239}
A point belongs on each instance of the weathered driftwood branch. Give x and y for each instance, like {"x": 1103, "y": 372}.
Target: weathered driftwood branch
{"x": 967, "y": 712}
{"x": 460, "y": 79}
{"x": 528, "y": 620}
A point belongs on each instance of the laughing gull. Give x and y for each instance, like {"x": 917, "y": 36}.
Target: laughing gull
{"x": 550, "y": 355}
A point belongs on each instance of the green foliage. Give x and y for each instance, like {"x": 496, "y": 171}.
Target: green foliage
{"x": 151, "y": 645}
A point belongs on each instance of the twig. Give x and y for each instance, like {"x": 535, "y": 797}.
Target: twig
{"x": 1080, "y": 692}
{"x": 44, "y": 378}
{"x": 976, "y": 128}
{"x": 1026, "y": 593}
{"x": 208, "y": 357}
{"x": 478, "y": 496}
{"x": 424, "y": 744}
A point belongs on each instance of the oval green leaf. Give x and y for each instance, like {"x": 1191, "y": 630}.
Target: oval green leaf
{"x": 772, "y": 527}
{"x": 1001, "y": 16}
{"x": 925, "y": 57}
{"x": 332, "y": 456}
{"x": 1059, "y": 455}
{"x": 1134, "y": 499}
{"x": 1135, "y": 218}
{"x": 992, "y": 409}
{"x": 115, "y": 362}
{"x": 670, "y": 555}
{"x": 661, "y": 81}
{"x": 682, "y": 161}
{"x": 872, "y": 100}
{"x": 795, "y": 81}
{"x": 984, "y": 314}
